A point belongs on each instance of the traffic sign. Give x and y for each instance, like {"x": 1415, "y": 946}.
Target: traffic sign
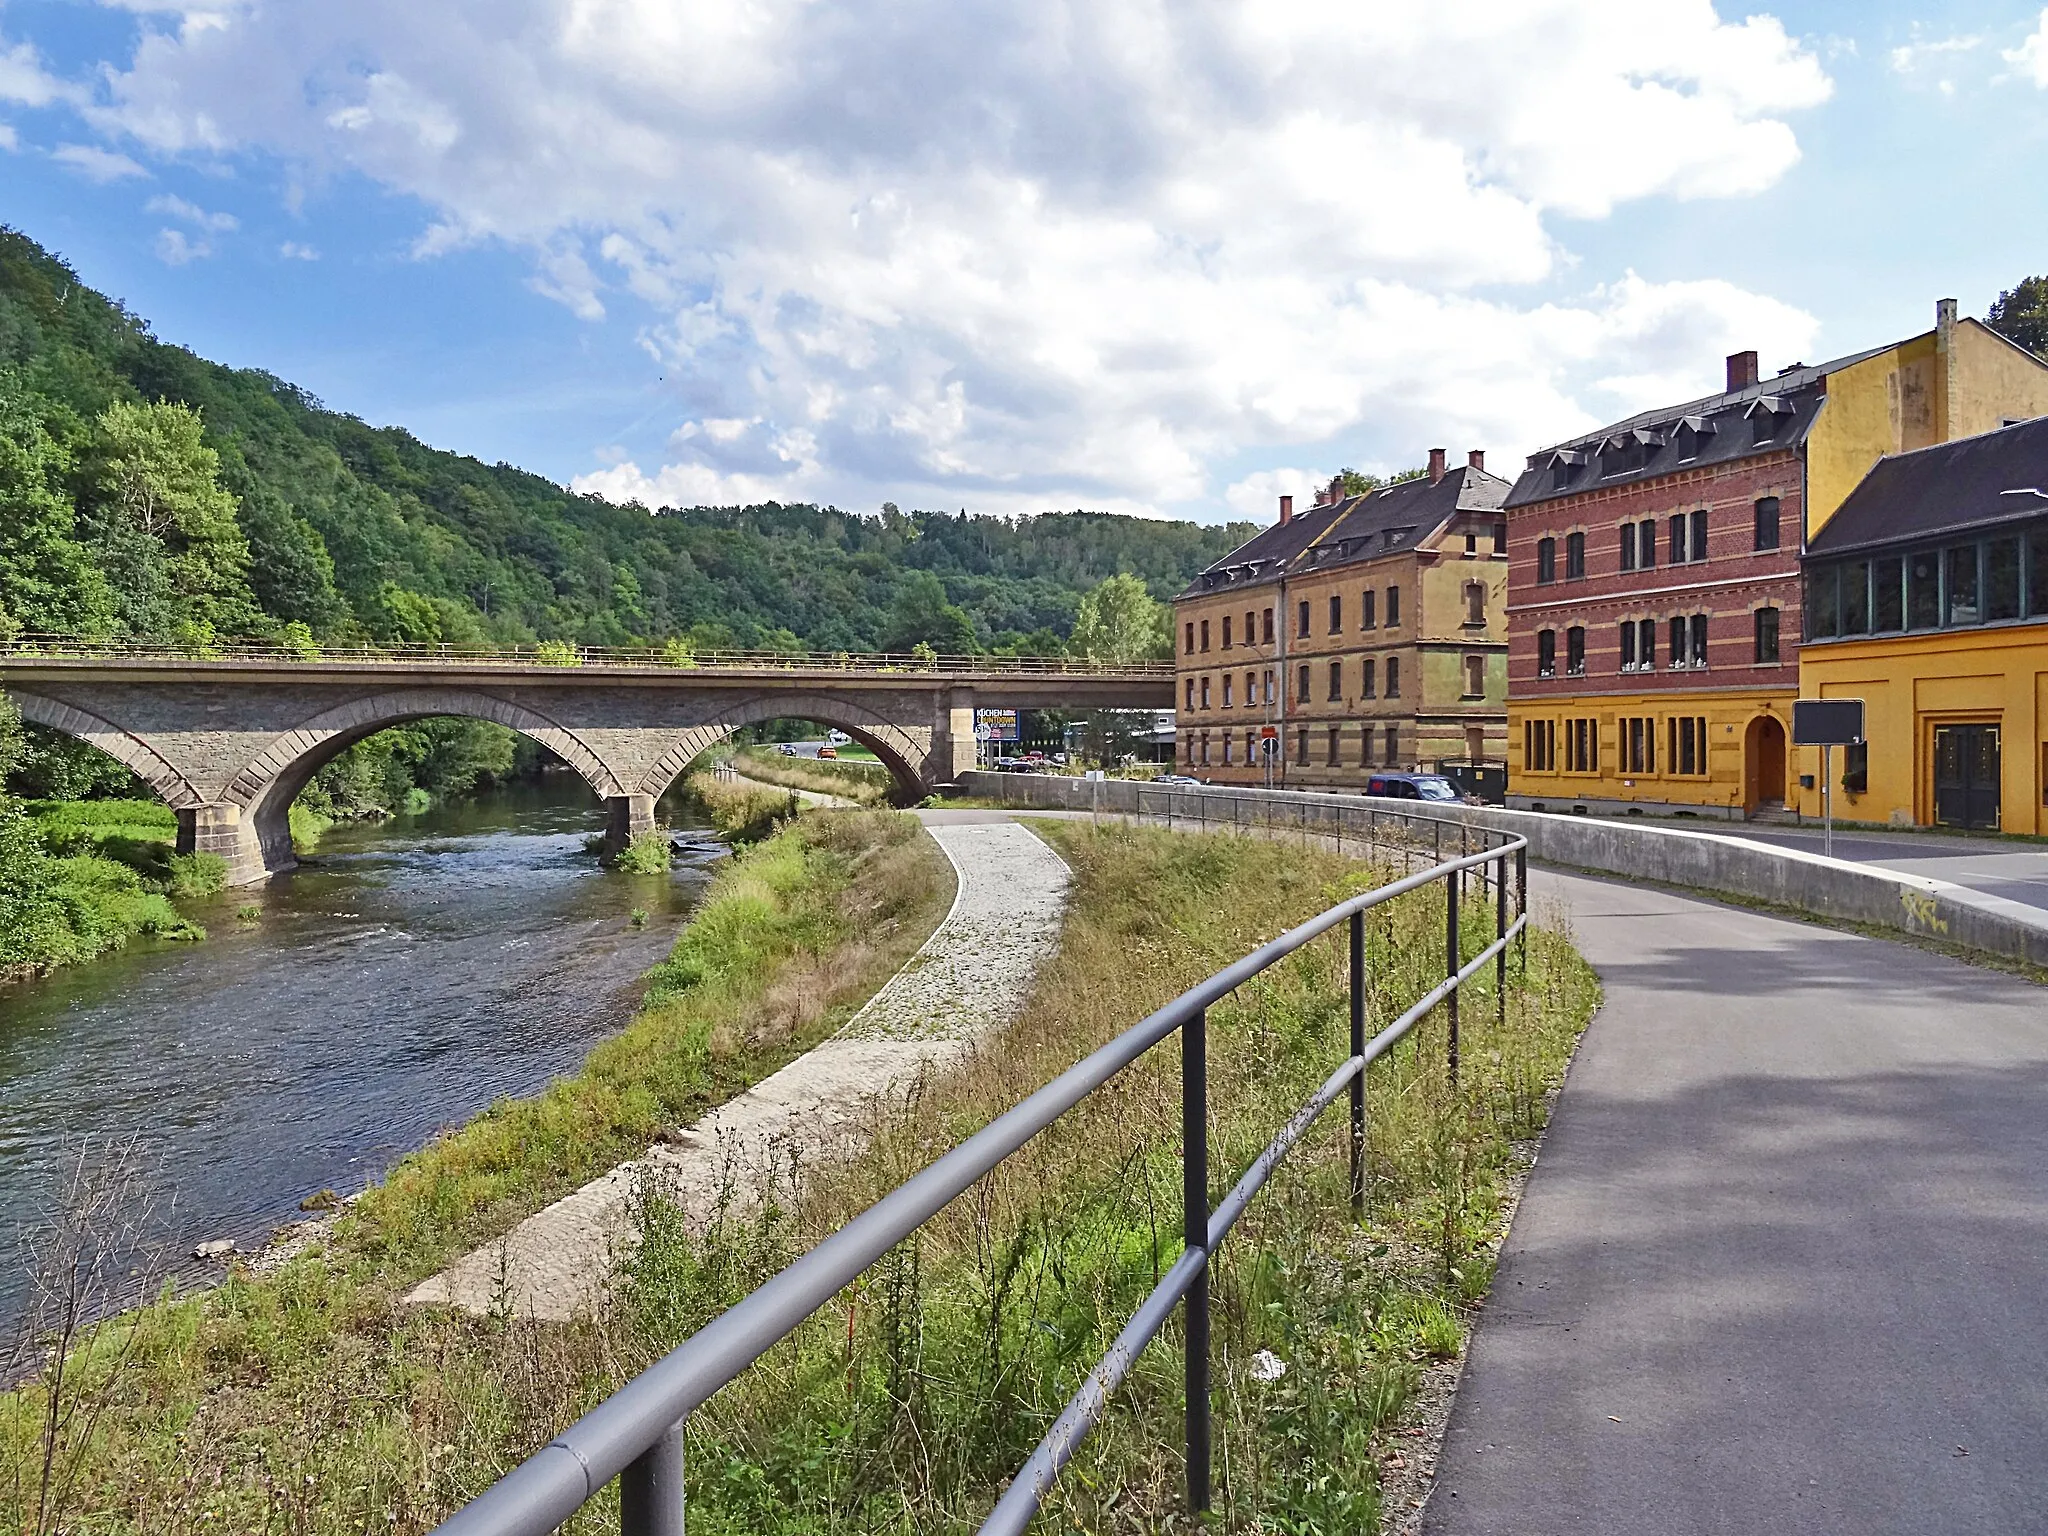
{"x": 1827, "y": 722}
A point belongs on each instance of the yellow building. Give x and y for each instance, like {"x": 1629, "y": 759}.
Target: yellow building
{"x": 1655, "y": 608}
{"x": 1369, "y": 632}
{"x": 1927, "y": 598}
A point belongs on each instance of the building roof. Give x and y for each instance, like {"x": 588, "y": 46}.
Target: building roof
{"x": 1968, "y": 484}
{"x": 1717, "y": 429}
{"x": 1384, "y": 521}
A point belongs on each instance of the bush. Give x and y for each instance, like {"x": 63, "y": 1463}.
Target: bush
{"x": 557, "y": 653}
{"x": 744, "y": 814}
{"x": 647, "y": 854}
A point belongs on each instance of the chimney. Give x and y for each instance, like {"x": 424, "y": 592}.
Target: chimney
{"x": 1944, "y": 315}
{"x": 1741, "y": 370}
{"x": 1286, "y": 509}
{"x": 1436, "y": 465}
{"x": 1476, "y": 459}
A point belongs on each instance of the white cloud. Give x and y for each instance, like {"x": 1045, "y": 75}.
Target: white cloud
{"x": 1024, "y": 253}
{"x": 24, "y": 80}
{"x": 2031, "y": 57}
{"x": 1910, "y": 56}
{"x": 192, "y": 213}
{"x": 293, "y": 250}
{"x": 175, "y": 248}
{"x": 96, "y": 164}
{"x": 9, "y": 139}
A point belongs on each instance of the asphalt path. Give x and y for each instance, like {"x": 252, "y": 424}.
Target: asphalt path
{"x": 2016, "y": 871}
{"x": 1782, "y": 1264}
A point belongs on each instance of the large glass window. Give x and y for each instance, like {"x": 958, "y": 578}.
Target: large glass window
{"x": 1628, "y": 546}
{"x": 1546, "y": 561}
{"x": 1628, "y": 645}
{"x": 1575, "y": 652}
{"x": 1856, "y": 598}
{"x": 1823, "y": 603}
{"x": 1766, "y": 637}
{"x": 2037, "y": 573}
{"x": 1767, "y": 522}
{"x": 1699, "y": 534}
{"x": 1887, "y": 595}
{"x": 1923, "y": 590}
{"x": 1574, "y": 556}
{"x": 1646, "y": 543}
{"x": 1964, "y": 603}
{"x": 1546, "y": 653}
{"x": 1699, "y": 639}
{"x": 1679, "y": 523}
{"x": 2001, "y": 580}
{"x": 1678, "y": 647}
{"x": 1646, "y": 644}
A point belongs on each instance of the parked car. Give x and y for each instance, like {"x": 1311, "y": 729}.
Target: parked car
{"x": 1176, "y": 781}
{"x": 828, "y": 751}
{"x": 1414, "y": 786}
{"x": 786, "y": 750}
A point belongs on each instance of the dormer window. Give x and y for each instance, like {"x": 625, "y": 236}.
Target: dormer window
{"x": 1768, "y": 416}
{"x": 1621, "y": 456}
{"x": 1689, "y": 435}
{"x": 1564, "y": 463}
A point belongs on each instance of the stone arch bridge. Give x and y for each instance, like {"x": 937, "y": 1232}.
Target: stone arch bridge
{"x": 229, "y": 744}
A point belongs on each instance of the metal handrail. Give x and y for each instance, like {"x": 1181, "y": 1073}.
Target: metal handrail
{"x": 49, "y": 647}
{"x": 636, "y": 1435}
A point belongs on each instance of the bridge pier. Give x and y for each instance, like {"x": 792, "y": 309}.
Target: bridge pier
{"x": 226, "y": 829}
{"x": 625, "y": 818}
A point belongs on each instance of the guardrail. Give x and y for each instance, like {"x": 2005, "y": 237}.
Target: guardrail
{"x": 554, "y": 653}
{"x": 636, "y": 1435}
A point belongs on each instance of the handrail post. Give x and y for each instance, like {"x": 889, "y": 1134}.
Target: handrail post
{"x": 651, "y": 1489}
{"x": 1522, "y": 900}
{"x": 1194, "y": 1196}
{"x": 1358, "y": 1050}
{"x": 1451, "y": 955}
{"x": 1500, "y": 932}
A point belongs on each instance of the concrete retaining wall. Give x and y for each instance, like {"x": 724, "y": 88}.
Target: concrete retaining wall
{"x": 1703, "y": 861}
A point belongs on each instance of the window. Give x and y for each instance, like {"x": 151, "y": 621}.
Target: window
{"x": 1546, "y": 561}
{"x": 1628, "y": 645}
{"x": 1301, "y": 684}
{"x": 1251, "y": 755}
{"x": 1266, "y": 627}
{"x": 1266, "y": 687}
{"x": 1623, "y": 457}
{"x": 1856, "y": 768}
{"x": 1500, "y": 538}
{"x": 1763, "y": 426}
{"x": 1767, "y": 520}
{"x": 1191, "y": 695}
{"x": 1226, "y": 693}
{"x": 1301, "y": 620}
{"x": 2001, "y": 580}
{"x": 1226, "y": 632}
{"x": 1393, "y": 677}
{"x": 1336, "y": 682}
{"x": 1301, "y": 747}
{"x": 1681, "y": 652}
{"x": 1228, "y": 741}
{"x": 1332, "y": 758}
{"x": 1471, "y": 545}
{"x": 1189, "y": 647}
{"x": 1205, "y": 749}
{"x": 1367, "y": 679}
{"x": 1856, "y": 598}
{"x": 1251, "y": 689}
{"x": 1688, "y": 745}
{"x": 1923, "y": 590}
{"x": 2037, "y": 574}
{"x": 1393, "y": 607}
{"x": 1205, "y": 634}
{"x": 1699, "y": 534}
{"x": 1187, "y": 750}
{"x": 1539, "y": 746}
{"x": 1823, "y": 602}
{"x": 1574, "y": 556}
{"x": 1582, "y": 746}
{"x": 1628, "y": 546}
{"x": 1699, "y": 639}
{"x": 1679, "y": 543}
{"x": 1546, "y": 653}
{"x": 1646, "y": 544}
{"x": 1767, "y": 637}
{"x": 1205, "y": 693}
{"x": 1560, "y": 474}
{"x": 1365, "y": 609}
{"x": 1887, "y": 595}
{"x": 1475, "y": 677}
{"x": 1249, "y": 627}
{"x": 1336, "y": 615}
{"x": 1636, "y": 744}
{"x": 1475, "y": 605}
{"x": 1962, "y": 605}
{"x": 1393, "y": 745}
{"x": 1575, "y": 652}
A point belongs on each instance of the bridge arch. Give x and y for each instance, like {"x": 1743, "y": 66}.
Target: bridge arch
{"x": 903, "y": 750}
{"x": 264, "y": 788}
{"x": 165, "y": 781}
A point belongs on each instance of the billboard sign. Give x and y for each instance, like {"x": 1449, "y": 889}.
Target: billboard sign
{"x": 1827, "y": 722}
{"x": 995, "y": 724}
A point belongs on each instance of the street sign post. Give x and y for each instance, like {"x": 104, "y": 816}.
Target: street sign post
{"x": 1827, "y": 724}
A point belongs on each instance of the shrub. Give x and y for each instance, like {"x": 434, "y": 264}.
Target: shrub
{"x": 557, "y": 653}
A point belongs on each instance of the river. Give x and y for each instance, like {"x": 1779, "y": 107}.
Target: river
{"x": 398, "y": 982}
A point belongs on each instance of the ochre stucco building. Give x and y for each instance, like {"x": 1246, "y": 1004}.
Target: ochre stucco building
{"x": 1927, "y": 598}
{"x": 1366, "y": 632}
{"x": 1654, "y": 595}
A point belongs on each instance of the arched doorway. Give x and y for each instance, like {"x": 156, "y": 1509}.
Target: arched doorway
{"x": 1764, "y": 765}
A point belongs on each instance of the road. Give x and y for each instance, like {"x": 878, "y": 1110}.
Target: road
{"x": 2016, "y": 871}
{"x": 1780, "y": 1266}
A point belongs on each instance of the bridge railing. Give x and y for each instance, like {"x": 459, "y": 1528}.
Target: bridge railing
{"x": 636, "y": 1435}
{"x": 557, "y": 653}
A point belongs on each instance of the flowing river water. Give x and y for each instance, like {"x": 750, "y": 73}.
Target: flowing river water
{"x": 398, "y": 982}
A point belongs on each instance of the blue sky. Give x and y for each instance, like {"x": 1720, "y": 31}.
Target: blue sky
{"x": 1010, "y": 255}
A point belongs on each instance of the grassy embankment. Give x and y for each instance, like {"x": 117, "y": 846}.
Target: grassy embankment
{"x": 307, "y": 1400}
{"x": 865, "y": 783}
{"x": 81, "y": 878}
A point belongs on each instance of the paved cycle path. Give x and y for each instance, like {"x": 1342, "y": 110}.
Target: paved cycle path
{"x": 1783, "y": 1264}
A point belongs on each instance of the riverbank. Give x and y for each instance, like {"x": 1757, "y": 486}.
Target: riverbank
{"x": 203, "y": 1408}
{"x": 866, "y": 783}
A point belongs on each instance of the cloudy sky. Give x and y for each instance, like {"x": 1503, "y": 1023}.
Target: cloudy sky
{"x": 1168, "y": 256}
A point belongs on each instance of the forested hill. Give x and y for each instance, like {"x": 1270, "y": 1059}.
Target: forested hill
{"x": 146, "y": 491}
